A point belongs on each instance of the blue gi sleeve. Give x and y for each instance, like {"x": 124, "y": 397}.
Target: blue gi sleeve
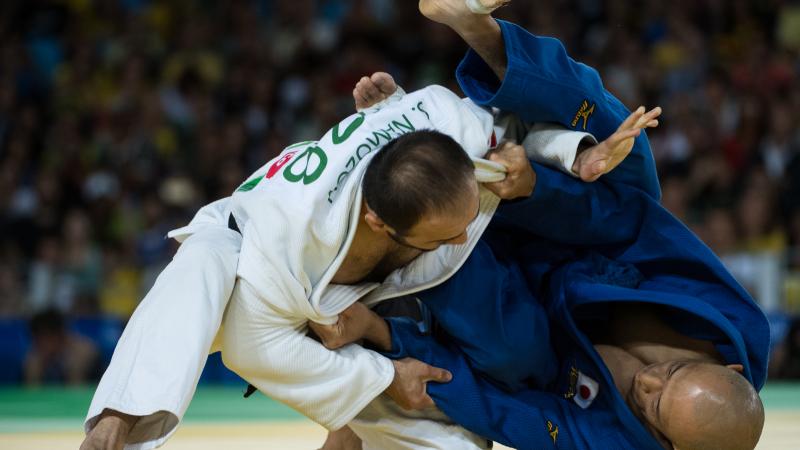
{"x": 543, "y": 84}
{"x": 569, "y": 211}
{"x": 528, "y": 419}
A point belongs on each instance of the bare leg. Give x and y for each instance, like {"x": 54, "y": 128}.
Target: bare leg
{"x": 110, "y": 432}
{"x": 479, "y": 31}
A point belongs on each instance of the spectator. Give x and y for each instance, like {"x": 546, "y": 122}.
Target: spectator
{"x": 57, "y": 355}
{"x": 788, "y": 361}
{"x": 118, "y": 118}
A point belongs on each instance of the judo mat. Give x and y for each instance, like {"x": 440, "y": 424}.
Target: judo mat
{"x": 51, "y": 419}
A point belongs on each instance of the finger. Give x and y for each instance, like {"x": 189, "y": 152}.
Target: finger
{"x": 626, "y": 134}
{"x": 648, "y": 117}
{"x": 654, "y": 113}
{"x": 498, "y": 158}
{"x": 504, "y": 153}
{"x": 653, "y": 124}
{"x": 438, "y": 375}
{"x": 323, "y": 329}
{"x": 506, "y": 145}
{"x": 632, "y": 119}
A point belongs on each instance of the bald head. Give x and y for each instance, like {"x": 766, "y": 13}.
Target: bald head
{"x": 725, "y": 411}
{"x": 699, "y": 406}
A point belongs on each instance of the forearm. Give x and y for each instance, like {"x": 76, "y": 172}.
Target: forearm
{"x": 273, "y": 354}
{"x": 569, "y": 211}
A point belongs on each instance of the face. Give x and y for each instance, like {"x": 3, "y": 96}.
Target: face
{"x": 435, "y": 230}
{"x": 670, "y": 399}
{"x": 659, "y": 394}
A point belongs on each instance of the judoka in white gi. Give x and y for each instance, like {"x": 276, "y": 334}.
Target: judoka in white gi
{"x": 300, "y": 217}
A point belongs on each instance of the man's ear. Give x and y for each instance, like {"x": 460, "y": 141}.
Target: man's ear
{"x": 375, "y": 223}
{"x": 736, "y": 367}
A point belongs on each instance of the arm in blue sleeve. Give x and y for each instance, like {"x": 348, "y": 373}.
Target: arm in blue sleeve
{"x": 529, "y": 419}
{"x": 488, "y": 311}
{"x": 543, "y": 84}
{"x": 569, "y": 211}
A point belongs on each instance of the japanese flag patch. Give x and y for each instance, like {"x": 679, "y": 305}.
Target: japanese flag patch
{"x": 586, "y": 390}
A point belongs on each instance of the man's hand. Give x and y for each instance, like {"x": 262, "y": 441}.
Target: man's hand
{"x": 355, "y": 323}
{"x": 520, "y": 179}
{"x": 592, "y": 163}
{"x": 409, "y": 387}
{"x": 374, "y": 89}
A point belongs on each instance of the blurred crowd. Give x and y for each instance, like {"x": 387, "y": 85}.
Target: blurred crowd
{"x": 119, "y": 118}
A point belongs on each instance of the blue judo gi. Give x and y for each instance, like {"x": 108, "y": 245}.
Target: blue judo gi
{"x": 510, "y": 324}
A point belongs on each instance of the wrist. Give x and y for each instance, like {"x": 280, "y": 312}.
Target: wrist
{"x": 391, "y": 388}
{"x": 379, "y": 335}
{"x": 583, "y": 146}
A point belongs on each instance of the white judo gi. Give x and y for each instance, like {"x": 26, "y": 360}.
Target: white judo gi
{"x": 297, "y": 215}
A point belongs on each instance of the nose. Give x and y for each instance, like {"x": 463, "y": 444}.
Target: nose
{"x": 649, "y": 383}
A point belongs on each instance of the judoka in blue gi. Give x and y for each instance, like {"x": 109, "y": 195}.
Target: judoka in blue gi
{"x": 588, "y": 316}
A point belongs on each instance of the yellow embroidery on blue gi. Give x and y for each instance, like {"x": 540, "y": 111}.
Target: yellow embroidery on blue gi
{"x": 583, "y": 113}
{"x": 573, "y": 383}
{"x": 552, "y": 430}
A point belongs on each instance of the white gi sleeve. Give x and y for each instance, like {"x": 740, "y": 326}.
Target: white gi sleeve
{"x": 555, "y": 146}
{"x": 269, "y": 348}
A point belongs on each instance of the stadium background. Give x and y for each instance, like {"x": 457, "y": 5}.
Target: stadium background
{"x": 119, "y": 118}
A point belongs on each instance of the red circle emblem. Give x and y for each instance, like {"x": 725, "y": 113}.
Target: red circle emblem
{"x": 585, "y": 392}
{"x": 279, "y": 164}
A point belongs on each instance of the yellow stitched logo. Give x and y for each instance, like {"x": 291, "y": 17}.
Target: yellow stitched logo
{"x": 552, "y": 430}
{"x": 583, "y": 113}
{"x": 573, "y": 383}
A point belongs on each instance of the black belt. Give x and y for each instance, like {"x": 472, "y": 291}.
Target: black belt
{"x": 232, "y": 224}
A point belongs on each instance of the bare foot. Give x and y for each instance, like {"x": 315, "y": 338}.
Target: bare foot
{"x": 459, "y": 14}
{"x": 596, "y": 161}
{"x": 374, "y": 89}
{"x": 343, "y": 439}
{"x": 485, "y": 6}
{"x": 110, "y": 432}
